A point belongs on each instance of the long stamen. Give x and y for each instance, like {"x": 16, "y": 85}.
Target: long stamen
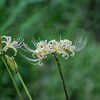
{"x": 34, "y": 63}
{"x": 81, "y": 46}
{"x": 78, "y": 43}
{"x": 34, "y": 42}
{"x": 20, "y": 41}
{"x": 29, "y": 58}
{"x": 25, "y": 50}
{"x": 27, "y": 47}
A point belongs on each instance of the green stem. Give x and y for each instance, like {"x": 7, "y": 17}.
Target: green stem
{"x": 56, "y": 58}
{"x": 24, "y": 86}
{"x": 12, "y": 78}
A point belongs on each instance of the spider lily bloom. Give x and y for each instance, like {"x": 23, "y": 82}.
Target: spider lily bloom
{"x": 13, "y": 45}
{"x": 61, "y": 47}
{"x": 66, "y": 45}
{"x": 41, "y": 52}
{"x": 12, "y": 64}
{"x": 53, "y": 47}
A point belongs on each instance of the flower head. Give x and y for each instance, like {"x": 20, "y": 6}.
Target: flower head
{"x": 41, "y": 52}
{"x": 42, "y": 49}
{"x": 13, "y": 45}
{"x": 64, "y": 44}
{"x": 53, "y": 47}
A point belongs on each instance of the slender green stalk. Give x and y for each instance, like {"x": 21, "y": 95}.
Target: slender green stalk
{"x": 24, "y": 86}
{"x": 56, "y": 58}
{"x": 12, "y": 78}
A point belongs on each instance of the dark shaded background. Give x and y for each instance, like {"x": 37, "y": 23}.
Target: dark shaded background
{"x": 47, "y": 19}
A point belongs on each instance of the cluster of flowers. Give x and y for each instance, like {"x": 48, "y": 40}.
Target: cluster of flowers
{"x": 53, "y": 47}
{"x": 42, "y": 48}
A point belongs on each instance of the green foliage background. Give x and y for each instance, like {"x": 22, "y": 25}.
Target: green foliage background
{"x": 47, "y": 20}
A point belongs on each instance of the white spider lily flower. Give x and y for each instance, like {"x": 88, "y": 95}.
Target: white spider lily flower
{"x": 41, "y": 52}
{"x": 53, "y": 46}
{"x": 61, "y": 47}
{"x": 57, "y": 48}
{"x": 13, "y": 45}
{"x": 42, "y": 49}
{"x": 66, "y": 45}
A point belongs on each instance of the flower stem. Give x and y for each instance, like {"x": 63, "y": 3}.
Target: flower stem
{"x": 56, "y": 58}
{"x": 12, "y": 78}
{"x": 24, "y": 86}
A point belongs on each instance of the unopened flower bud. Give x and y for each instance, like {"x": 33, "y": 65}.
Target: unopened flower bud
{"x": 12, "y": 64}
